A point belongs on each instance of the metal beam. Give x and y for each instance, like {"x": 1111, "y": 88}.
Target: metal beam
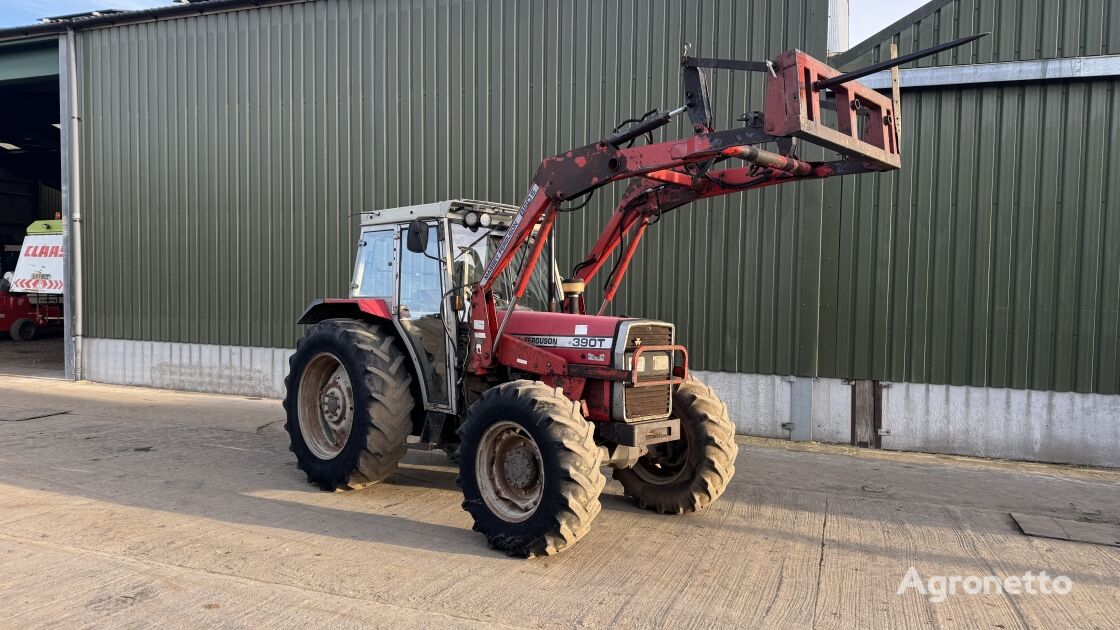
{"x": 1005, "y": 72}
{"x": 34, "y": 61}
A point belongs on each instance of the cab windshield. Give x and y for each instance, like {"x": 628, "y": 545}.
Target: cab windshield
{"x": 471, "y": 249}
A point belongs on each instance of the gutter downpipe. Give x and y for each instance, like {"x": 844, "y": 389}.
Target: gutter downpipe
{"x": 71, "y": 204}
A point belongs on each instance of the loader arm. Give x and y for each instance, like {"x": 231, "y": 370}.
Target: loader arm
{"x": 667, "y": 175}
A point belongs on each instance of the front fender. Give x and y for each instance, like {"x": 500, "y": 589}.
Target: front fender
{"x": 374, "y": 309}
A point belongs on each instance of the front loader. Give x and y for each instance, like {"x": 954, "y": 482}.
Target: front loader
{"x": 459, "y": 330}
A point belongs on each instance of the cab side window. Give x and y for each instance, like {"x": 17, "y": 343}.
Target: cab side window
{"x": 421, "y": 290}
{"x": 373, "y": 275}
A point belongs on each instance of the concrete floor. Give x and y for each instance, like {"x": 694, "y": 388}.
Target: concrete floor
{"x": 42, "y": 357}
{"x": 145, "y": 507}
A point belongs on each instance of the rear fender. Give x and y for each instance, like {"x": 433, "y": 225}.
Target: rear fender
{"x": 372, "y": 309}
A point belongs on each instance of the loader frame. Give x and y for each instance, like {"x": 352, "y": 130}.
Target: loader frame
{"x": 671, "y": 174}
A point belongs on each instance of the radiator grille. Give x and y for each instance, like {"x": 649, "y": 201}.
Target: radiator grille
{"x": 648, "y": 402}
{"x": 640, "y": 403}
{"x": 649, "y": 335}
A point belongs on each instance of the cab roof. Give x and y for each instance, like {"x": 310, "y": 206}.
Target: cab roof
{"x": 452, "y": 208}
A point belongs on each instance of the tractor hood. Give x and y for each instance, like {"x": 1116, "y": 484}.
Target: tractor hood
{"x": 587, "y": 339}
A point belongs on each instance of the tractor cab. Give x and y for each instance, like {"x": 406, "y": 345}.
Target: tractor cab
{"x": 422, "y": 262}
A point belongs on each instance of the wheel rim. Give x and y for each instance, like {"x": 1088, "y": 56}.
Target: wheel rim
{"x": 665, "y": 462}
{"x": 510, "y": 471}
{"x": 26, "y": 331}
{"x": 326, "y": 406}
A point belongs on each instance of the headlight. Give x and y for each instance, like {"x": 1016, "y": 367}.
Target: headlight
{"x": 473, "y": 219}
{"x": 650, "y": 363}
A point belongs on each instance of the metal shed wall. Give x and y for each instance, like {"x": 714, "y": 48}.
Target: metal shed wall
{"x": 1021, "y": 30}
{"x": 993, "y": 258}
{"x": 222, "y": 157}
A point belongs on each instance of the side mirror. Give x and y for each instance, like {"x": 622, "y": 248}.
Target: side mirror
{"x": 417, "y": 242}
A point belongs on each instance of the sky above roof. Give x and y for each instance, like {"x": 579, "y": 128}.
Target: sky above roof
{"x": 867, "y": 16}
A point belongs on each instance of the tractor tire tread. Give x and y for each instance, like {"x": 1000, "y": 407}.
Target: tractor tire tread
{"x": 389, "y": 401}
{"x": 580, "y": 479}
{"x": 714, "y": 467}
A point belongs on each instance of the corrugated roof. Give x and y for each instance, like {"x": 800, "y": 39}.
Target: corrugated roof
{"x": 112, "y": 17}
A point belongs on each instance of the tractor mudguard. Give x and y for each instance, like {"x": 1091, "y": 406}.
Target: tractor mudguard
{"x": 375, "y": 309}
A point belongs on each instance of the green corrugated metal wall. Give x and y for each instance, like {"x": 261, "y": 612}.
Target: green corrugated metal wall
{"x": 993, "y": 257}
{"x": 222, "y": 155}
{"x": 1021, "y": 30}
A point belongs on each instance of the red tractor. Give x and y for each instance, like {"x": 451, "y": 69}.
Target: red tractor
{"x": 456, "y": 332}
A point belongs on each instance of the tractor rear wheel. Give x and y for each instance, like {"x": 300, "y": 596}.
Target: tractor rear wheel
{"x": 24, "y": 329}
{"x": 529, "y": 469}
{"x": 688, "y": 474}
{"x": 348, "y": 404}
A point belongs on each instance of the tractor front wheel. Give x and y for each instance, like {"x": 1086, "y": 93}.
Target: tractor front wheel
{"x": 529, "y": 469}
{"x": 349, "y": 404}
{"x": 688, "y": 474}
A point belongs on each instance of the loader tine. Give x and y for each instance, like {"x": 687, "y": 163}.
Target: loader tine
{"x": 824, "y": 84}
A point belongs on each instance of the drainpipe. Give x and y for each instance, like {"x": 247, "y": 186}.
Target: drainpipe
{"x": 71, "y": 204}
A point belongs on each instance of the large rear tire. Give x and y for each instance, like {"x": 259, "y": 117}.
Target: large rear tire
{"x": 692, "y": 472}
{"x": 529, "y": 469}
{"x": 348, "y": 404}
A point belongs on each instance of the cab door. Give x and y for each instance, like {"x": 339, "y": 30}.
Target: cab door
{"x": 423, "y": 316}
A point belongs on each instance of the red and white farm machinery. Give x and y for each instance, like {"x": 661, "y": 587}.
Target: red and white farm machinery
{"x": 31, "y": 297}
{"x": 455, "y": 333}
